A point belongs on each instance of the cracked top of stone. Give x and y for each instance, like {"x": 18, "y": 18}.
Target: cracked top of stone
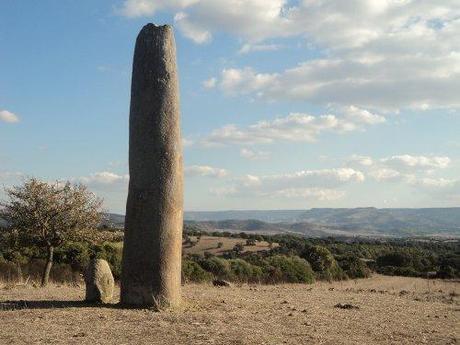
{"x": 153, "y": 27}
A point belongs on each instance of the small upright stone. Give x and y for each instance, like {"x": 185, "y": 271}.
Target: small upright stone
{"x": 99, "y": 282}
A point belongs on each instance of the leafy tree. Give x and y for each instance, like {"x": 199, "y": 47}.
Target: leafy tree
{"x": 49, "y": 214}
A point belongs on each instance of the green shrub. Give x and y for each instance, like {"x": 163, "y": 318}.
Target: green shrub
{"x": 220, "y": 268}
{"x": 244, "y": 272}
{"x": 192, "y": 272}
{"x": 291, "y": 269}
{"x": 323, "y": 263}
{"x": 75, "y": 254}
{"x": 395, "y": 259}
{"x": 112, "y": 253}
{"x": 354, "y": 267}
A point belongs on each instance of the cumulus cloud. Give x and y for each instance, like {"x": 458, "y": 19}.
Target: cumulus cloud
{"x": 410, "y": 82}
{"x": 385, "y": 174}
{"x": 254, "y": 154}
{"x": 320, "y": 184}
{"x": 377, "y": 54}
{"x": 420, "y": 172}
{"x": 193, "y": 32}
{"x": 321, "y": 194}
{"x": 205, "y": 171}
{"x": 104, "y": 178}
{"x": 386, "y": 54}
{"x": 434, "y": 182}
{"x": 402, "y": 163}
{"x": 245, "y": 81}
{"x": 417, "y": 162}
{"x": 9, "y": 117}
{"x": 360, "y": 160}
{"x": 141, "y": 8}
{"x": 296, "y": 127}
{"x": 210, "y": 83}
{"x": 249, "y": 48}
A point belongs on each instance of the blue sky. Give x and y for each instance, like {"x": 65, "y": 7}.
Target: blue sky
{"x": 285, "y": 104}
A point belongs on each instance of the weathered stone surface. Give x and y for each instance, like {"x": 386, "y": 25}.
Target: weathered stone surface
{"x": 99, "y": 282}
{"x": 151, "y": 268}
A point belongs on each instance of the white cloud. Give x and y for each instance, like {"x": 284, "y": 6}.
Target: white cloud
{"x": 254, "y": 154}
{"x": 186, "y": 142}
{"x": 377, "y": 54}
{"x": 321, "y": 184}
{"x": 193, "y": 32}
{"x": 141, "y": 8}
{"x": 320, "y": 194}
{"x": 360, "y": 160}
{"x": 417, "y": 162}
{"x": 390, "y": 84}
{"x": 250, "y": 19}
{"x": 204, "y": 170}
{"x": 244, "y": 81}
{"x": 296, "y": 127}
{"x": 362, "y": 116}
{"x": 249, "y": 48}
{"x": 419, "y": 172}
{"x": 434, "y": 182}
{"x": 210, "y": 83}
{"x": 385, "y": 54}
{"x": 104, "y": 178}
{"x": 9, "y": 117}
{"x": 385, "y": 174}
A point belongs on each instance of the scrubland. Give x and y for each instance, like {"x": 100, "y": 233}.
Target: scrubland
{"x": 378, "y": 310}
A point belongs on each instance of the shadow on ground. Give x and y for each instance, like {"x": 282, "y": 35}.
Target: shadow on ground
{"x": 23, "y": 304}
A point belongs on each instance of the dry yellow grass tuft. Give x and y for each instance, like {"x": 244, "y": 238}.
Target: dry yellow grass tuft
{"x": 390, "y": 310}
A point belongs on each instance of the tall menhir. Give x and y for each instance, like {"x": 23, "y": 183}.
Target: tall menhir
{"x": 151, "y": 268}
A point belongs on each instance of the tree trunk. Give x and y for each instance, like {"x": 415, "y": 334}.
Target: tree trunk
{"x": 49, "y": 264}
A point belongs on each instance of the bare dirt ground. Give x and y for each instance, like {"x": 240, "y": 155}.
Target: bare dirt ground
{"x": 383, "y": 310}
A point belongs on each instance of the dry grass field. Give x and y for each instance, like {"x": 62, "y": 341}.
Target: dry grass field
{"x": 210, "y": 244}
{"x": 384, "y": 310}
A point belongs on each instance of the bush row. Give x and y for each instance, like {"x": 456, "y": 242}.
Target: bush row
{"x": 273, "y": 269}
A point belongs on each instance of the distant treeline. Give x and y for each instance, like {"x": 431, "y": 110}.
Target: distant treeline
{"x": 333, "y": 258}
{"x": 294, "y": 259}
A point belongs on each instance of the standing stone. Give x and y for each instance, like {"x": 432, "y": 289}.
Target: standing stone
{"x": 151, "y": 268}
{"x": 99, "y": 282}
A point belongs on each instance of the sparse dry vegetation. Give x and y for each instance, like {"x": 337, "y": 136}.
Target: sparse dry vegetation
{"x": 220, "y": 245}
{"x": 391, "y": 310}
